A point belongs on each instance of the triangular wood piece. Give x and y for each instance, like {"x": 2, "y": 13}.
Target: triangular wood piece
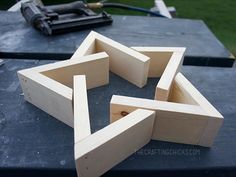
{"x": 49, "y": 87}
{"x": 165, "y": 62}
{"x": 182, "y": 122}
{"x": 107, "y": 147}
{"x": 110, "y": 145}
{"x": 125, "y": 62}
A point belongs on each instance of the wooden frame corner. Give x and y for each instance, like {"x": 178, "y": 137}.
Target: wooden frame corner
{"x": 182, "y": 121}
{"x": 184, "y": 92}
{"x": 45, "y": 85}
{"x": 165, "y": 62}
{"x": 106, "y": 146}
{"x": 125, "y": 62}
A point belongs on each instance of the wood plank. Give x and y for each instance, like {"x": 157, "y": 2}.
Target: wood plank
{"x": 159, "y": 58}
{"x": 128, "y": 104}
{"x": 125, "y": 62}
{"x": 48, "y": 95}
{"x": 174, "y": 122}
{"x": 163, "y": 10}
{"x": 164, "y": 85}
{"x": 46, "y": 85}
{"x": 95, "y": 67}
{"x": 109, "y": 146}
{"x": 215, "y": 120}
{"x": 196, "y": 95}
{"x": 165, "y": 62}
{"x": 178, "y": 94}
{"x": 81, "y": 112}
{"x": 87, "y": 47}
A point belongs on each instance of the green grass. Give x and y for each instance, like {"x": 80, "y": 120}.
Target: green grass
{"x": 220, "y": 16}
{"x": 139, "y": 3}
{"x": 6, "y": 4}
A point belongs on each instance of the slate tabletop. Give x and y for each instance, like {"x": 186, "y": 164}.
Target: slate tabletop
{"x": 32, "y": 143}
{"x": 19, "y": 40}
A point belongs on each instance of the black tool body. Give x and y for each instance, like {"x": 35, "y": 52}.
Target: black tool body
{"x": 63, "y": 18}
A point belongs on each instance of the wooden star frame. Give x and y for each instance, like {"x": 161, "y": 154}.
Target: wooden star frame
{"x": 178, "y": 113}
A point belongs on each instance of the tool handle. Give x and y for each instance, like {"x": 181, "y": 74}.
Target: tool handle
{"x": 30, "y": 12}
{"x": 77, "y": 7}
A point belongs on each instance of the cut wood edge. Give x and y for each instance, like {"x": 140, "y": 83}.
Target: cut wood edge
{"x": 87, "y": 47}
{"x": 121, "y": 47}
{"x": 158, "y": 49}
{"x": 127, "y": 105}
{"x": 67, "y": 63}
{"x": 43, "y": 91}
{"x": 81, "y": 111}
{"x": 204, "y": 130}
{"x": 160, "y": 57}
{"x": 42, "y": 72}
{"x": 168, "y": 76}
{"x": 93, "y": 36}
{"x": 165, "y": 62}
{"x": 174, "y": 122}
{"x": 124, "y": 61}
{"x": 40, "y": 79}
{"x": 178, "y": 94}
{"x": 37, "y": 91}
{"x": 96, "y": 70}
{"x": 163, "y": 10}
{"x": 215, "y": 120}
{"x": 197, "y": 96}
{"x": 112, "y": 144}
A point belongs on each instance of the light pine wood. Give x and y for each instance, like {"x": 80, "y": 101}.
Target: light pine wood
{"x": 159, "y": 58}
{"x": 81, "y": 111}
{"x": 165, "y": 62}
{"x": 48, "y": 95}
{"x": 125, "y": 62}
{"x": 178, "y": 94}
{"x": 186, "y": 86}
{"x": 163, "y": 10}
{"x": 95, "y": 67}
{"x": 109, "y": 146}
{"x": 190, "y": 119}
{"x": 49, "y": 87}
{"x": 183, "y": 115}
{"x": 174, "y": 122}
{"x": 187, "y": 93}
{"x": 164, "y": 85}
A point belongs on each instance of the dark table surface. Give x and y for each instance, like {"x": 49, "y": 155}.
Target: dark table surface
{"x": 19, "y": 40}
{"x": 32, "y": 143}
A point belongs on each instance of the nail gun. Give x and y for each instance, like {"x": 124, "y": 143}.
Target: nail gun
{"x": 63, "y": 18}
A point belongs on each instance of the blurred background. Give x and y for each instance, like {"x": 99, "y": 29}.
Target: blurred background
{"x": 220, "y": 16}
